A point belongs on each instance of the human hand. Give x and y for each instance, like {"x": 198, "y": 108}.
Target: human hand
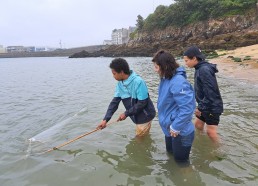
{"x": 197, "y": 112}
{"x": 173, "y": 133}
{"x": 102, "y": 124}
{"x": 121, "y": 117}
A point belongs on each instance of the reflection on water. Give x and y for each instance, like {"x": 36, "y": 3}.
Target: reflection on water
{"x": 41, "y": 94}
{"x": 137, "y": 160}
{"x": 138, "y": 163}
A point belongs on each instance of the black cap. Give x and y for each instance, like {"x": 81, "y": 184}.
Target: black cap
{"x": 194, "y": 51}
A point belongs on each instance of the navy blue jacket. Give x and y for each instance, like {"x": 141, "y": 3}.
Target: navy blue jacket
{"x": 206, "y": 88}
{"x": 134, "y": 94}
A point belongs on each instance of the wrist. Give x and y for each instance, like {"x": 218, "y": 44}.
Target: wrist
{"x": 174, "y": 131}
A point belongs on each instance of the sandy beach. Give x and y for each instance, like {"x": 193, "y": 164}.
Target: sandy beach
{"x": 246, "y": 70}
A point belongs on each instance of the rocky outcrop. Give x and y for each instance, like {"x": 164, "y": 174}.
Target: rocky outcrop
{"x": 227, "y": 33}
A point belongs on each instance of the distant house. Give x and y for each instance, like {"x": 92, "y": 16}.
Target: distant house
{"x": 2, "y": 49}
{"x": 42, "y": 49}
{"x": 15, "y": 49}
{"x": 30, "y": 49}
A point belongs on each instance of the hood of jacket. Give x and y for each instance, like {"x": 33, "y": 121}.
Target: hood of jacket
{"x": 131, "y": 77}
{"x": 211, "y": 66}
{"x": 181, "y": 71}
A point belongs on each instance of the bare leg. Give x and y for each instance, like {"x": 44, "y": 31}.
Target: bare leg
{"x": 199, "y": 124}
{"x": 212, "y": 133}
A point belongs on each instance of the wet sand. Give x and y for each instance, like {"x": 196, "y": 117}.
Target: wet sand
{"x": 245, "y": 70}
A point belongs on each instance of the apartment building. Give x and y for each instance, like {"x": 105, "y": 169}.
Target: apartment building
{"x": 120, "y": 36}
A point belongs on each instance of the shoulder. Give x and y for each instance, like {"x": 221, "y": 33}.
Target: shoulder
{"x": 178, "y": 79}
{"x": 138, "y": 80}
{"x": 206, "y": 68}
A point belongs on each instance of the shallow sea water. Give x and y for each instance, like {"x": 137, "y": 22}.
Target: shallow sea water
{"x": 57, "y": 99}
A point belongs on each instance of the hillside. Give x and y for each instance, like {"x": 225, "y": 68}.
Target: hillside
{"x": 223, "y": 32}
{"x": 227, "y": 34}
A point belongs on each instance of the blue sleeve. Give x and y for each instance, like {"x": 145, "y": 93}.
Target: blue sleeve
{"x": 113, "y": 106}
{"x": 184, "y": 97}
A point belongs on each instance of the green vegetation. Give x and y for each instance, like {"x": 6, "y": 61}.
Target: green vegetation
{"x": 210, "y": 54}
{"x": 247, "y": 58}
{"x": 184, "y": 12}
{"x": 237, "y": 59}
{"x": 220, "y": 158}
{"x": 140, "y": 22}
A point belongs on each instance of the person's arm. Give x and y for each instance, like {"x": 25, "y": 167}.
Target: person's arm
{"x": 184, "y": 97}
{"x": 113, "y": 106}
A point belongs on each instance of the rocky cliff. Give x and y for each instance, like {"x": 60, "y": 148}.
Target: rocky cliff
{"x": 226, "y": 33}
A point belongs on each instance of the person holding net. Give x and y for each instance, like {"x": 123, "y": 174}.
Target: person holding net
{"x": 132, "y": 90}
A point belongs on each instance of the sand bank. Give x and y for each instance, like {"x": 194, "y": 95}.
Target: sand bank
{"x": 246, "y": 70}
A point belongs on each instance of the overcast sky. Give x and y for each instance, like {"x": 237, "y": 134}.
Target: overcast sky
{"x": 73, "y": 22}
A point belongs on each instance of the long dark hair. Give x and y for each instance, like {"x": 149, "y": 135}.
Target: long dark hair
{"x": 166, "y": 62}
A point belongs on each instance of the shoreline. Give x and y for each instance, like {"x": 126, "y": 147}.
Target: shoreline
{"x": 246, "y": 70}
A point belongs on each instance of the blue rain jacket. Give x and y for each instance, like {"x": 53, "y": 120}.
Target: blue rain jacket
{"x": 134, "y": 94}
{"x": 176, "y": 104}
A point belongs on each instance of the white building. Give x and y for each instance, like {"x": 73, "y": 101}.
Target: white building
{"x": 2, "y": 49}
{"x": 120, "y": 36}
{"x": 15, "y": 49}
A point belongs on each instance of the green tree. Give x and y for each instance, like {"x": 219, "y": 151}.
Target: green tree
{"x": 184, "y": 12}
{"x": 140, "y": 22}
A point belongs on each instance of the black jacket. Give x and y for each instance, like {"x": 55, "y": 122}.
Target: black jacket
{"x": 206, "y": 88}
